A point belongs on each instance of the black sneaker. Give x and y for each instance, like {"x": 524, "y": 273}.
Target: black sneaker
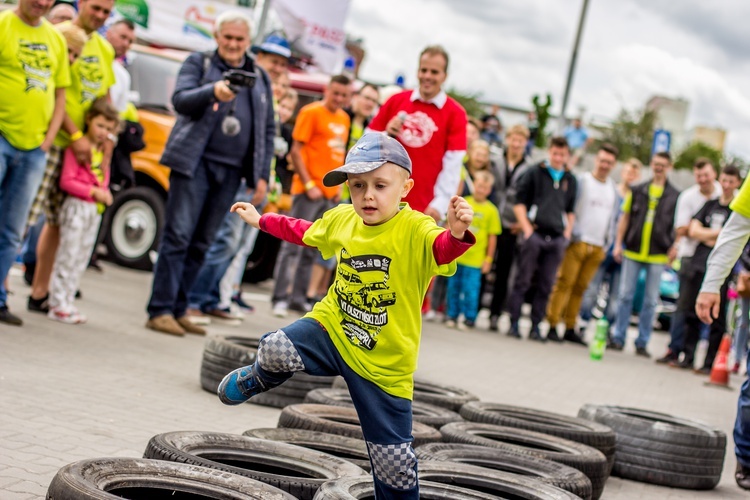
{"x": 38, "y": 305}
{"x": 685, "y": 364}
{"x": 469, "y": 323}
{"x": 742, "y": 476}
{"x": 571, "y": 336}
{"x": 614, "y": 345}
{"x": 8, "y": 317}
{"x": 668, "y": 357}
{"x": 641, "y": 351}
{"x": 494, "y": 320}
{"x": 553, "y": 336}
{"x": 706, "y": 370}
{"x": 513, "y": 331}
{"x": 535, "y": 335}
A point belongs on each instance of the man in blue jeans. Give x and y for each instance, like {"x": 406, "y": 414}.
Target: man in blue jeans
{"x": 222, "y": 134}
{"x": 646, "y": 229}
{"x": 35, "y": 68}
{"x": 731, "y": 240}
{"x": 205, "y": 297}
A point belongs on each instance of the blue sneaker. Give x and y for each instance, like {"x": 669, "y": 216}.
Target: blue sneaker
{"x": 240, "y": 385}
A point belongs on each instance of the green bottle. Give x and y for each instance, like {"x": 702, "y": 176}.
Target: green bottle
{"x": 599, "y": 344}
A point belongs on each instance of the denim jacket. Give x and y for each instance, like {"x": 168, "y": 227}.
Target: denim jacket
{"x": 193, "y": 99}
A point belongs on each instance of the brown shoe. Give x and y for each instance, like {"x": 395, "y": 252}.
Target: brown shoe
{"x": 189, "y": 326}
{"x": 165, "y": 323}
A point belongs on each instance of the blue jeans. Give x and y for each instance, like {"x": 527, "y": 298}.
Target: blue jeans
{"x": 195, "y": 209}
{"x": 740, "y": 333}
{"x": 233, "y": 232}
{"x": 742, "y": 423}
{"x": 628, "y": 282}
{"x": 463, "y": 293}
{"x": 608, "y": 272}
{"x": 21, "y": 173}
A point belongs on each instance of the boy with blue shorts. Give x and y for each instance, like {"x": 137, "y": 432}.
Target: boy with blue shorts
{"x": 367, "y": 328}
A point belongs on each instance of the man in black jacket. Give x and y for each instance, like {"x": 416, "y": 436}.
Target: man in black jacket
{"x": 222, "y": 134}
{"x": 645, "y": 240}
{"x": 545, "y": 203}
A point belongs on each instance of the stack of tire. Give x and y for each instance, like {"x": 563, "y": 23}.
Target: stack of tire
{"x": 223, "y": 354}
{"x": 662, "y": 449}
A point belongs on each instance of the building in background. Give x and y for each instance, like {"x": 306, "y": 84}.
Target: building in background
{"x": 712, "y": 136}
{"x": 671, "y": 115}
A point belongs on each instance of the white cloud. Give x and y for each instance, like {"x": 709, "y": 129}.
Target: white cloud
{"x": 631, "y": 49}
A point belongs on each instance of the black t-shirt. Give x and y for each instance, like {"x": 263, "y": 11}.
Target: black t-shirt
{"x": 713, "y": 215}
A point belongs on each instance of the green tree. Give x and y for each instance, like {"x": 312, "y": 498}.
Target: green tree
{"x": 696, "y": 150}
{"x": 542, "y": 117}
{"x": 632, "y": 133}
{"x": 470, "y": 102}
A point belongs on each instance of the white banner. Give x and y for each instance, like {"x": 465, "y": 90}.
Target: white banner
{"x": 180, "y": 24}
{"x": 316, "y": 28}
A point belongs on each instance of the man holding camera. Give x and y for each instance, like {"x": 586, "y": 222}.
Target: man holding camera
{"x": 224, "y": 132}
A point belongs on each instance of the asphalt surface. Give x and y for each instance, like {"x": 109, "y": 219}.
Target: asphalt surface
{"x": 72, "y": 392}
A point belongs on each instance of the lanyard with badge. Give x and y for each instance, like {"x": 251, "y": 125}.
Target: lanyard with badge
{"x": 556, "y": 175}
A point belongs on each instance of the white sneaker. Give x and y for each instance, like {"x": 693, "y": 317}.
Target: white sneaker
{"x": 430, "y": 315}
{"x": 461, "y": 326}
{"x": 450, "y": 323}
{"x": 69, "y": 317}
{"x": 280, "y": 309}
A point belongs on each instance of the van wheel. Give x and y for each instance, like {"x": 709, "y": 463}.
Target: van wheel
{"x": 135, "y": 229}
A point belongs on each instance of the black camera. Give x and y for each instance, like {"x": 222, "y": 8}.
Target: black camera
{"x": 238, "y": 79}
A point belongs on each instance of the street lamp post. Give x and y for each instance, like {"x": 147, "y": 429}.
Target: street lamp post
{"x": 572, "y": 66}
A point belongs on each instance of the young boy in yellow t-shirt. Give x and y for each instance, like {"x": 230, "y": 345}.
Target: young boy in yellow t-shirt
{"x": 464, "y": 287}
{"x": 367, "y": 328}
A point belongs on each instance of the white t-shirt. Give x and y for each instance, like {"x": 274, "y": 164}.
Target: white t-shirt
{"x": 595, "y": 208}
{"x": 119, "y": 91}
{"x": 690, "y": 201}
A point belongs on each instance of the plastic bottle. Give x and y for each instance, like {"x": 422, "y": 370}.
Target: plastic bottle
{"x": 599, "y": 344}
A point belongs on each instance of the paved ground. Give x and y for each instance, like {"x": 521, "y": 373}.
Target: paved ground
{"x": 103, "y": 389}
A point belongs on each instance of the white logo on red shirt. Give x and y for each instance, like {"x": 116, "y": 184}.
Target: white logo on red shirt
{"x": 417, "y": 130}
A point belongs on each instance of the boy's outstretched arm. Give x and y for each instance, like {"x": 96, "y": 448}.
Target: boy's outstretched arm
{"x": 460, "y": 215}
{"x": 281, "y": 226}
{"x": 457, "y": 238}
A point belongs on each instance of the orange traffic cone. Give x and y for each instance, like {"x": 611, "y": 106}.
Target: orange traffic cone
{"x": 720, "y": 369}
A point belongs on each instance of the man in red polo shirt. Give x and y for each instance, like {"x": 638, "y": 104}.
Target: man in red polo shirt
{"x": 432, "y": 128}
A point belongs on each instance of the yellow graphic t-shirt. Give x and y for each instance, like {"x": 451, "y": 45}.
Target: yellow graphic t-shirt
{"x": 33, "y": 64}
{"x": 91, "y": 77}
{"x": 741, "y": 202}
{"x": 373, "y": 310}
{"x": 642, "y": 255}
{"x": 97, "y": 157}
{"x": 486, "y": 222}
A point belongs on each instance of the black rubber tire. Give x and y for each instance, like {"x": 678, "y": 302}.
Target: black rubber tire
{"x": 294, "y": 469}
{"x": 346, "y": 448}
{"x": 434, "y": 416}
{"x": 274, "y": 400}
{"x": 586, "y": 459}
{"x": 501, "y": 484}
{"x": 662, "y": 449}
{"x": 351, "y": 488}
{"x": 104, "y": 478}
{"x": 545, "y": 471}
{"x": 445, "y": 396}
{"x": 237, "y": 351}
{"x": 584, "y": 431}
{"x": 342, "y": 421}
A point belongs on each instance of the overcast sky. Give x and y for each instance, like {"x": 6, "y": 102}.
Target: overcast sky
{"x": 631, "y": 50}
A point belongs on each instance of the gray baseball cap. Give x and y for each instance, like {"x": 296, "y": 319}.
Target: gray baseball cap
{"x": 371, "y": 151}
